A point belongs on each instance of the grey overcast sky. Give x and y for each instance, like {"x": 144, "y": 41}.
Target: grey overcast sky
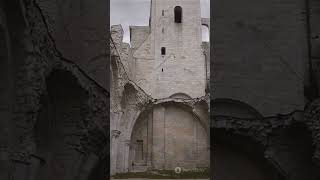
{"x": 137, "y": 12}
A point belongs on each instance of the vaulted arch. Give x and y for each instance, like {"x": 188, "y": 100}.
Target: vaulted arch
{"x": 165, "y": 125}
{"x": 234, "y": 108}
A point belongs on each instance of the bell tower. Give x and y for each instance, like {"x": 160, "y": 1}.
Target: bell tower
{"x": 179, "y": 65}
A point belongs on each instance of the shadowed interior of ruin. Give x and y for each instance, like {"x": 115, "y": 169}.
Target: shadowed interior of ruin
{"x": 292, "y": 148}
{"x": 4, "y": 94}
{"x": 239, "y": 158}
{"x": 57, "y": 128}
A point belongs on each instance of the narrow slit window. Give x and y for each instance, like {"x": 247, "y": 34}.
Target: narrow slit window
{"x": 177, "y": 14}
{"x": 163, "y": 51}
{"x": 162, "y": 12}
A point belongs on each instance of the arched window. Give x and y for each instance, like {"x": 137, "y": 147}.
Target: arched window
{"x": 205, "y": 33}
{"x": 177, "y": 14}
{"x": 163, "y": 51}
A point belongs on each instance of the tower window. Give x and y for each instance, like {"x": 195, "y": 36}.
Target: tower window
{"x": 163, "y": 51}
{"x": 162, "y": 12}
{"x": 177, "y": 14}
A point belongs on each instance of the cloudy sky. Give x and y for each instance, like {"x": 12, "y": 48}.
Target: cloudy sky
{"x": 137, "y": 12}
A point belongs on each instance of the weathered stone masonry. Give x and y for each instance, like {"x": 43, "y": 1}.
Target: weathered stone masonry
{"x": 264, "y": 117}
{"x": 59, "y": 117}
{"x": 159, "y": 95}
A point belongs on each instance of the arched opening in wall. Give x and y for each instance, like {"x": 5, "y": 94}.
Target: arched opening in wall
{"x": 180, "y": 96}
{"x": 233, "y": 108}
{"x": 178, "y": 14}
{"x": 172, "y": 136}
{"x": 57, "y": 130}
{"x": 241, "y": 156}
{"x": 205, "y": 33}
{"x": 140, "y": 142}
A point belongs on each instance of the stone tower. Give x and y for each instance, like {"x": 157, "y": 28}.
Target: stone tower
{"x": 171, "y": 60}
{"x": 166, "y": 62}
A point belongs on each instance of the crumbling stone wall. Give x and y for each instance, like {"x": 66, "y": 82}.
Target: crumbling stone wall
{"x": 34, "y": 58}
{"x": 285, "y": 143}
{"x": 80, "y": 33}
{"x": 127, "y": 100}
{"x": 133, "y": 112}
{"x": 271, "y": 116}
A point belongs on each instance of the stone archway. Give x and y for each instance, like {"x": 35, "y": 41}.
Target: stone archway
{"x": 168, "y": 135}
{"x": 57, "y": 130}
{"x": 233, "y": 108}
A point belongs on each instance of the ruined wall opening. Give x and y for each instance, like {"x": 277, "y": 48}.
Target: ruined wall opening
{"x": 205, "y": 33}
{"x": 178, "y": 14}
{"x": 140, "y": 139}
{"x": 58, "y": 127}
{"x": 173, "y": 135}
{"x": 163, "y": 51}
{"x": 241, "y": 156}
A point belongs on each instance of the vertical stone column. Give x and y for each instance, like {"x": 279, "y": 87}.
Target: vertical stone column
{"x": 158, "y": 147}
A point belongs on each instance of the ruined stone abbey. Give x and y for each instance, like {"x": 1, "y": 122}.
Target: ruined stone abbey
{"x": 70, "y": 106}
{"x": 159, "y": 91}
